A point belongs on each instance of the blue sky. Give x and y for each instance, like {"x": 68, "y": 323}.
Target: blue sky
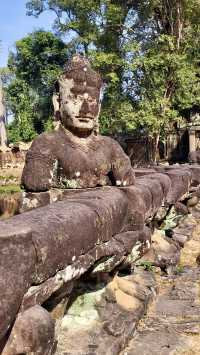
{"x": 15, "y": 24}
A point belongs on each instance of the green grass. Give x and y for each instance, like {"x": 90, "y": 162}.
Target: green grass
{"x": 146, "y": 265}
{"x": 179, "y": 269}
{"x": 10, "y": 189}
{"x": 9, "y": 177}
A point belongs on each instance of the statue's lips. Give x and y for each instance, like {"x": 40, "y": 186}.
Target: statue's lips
{"x": 85, "y": 119}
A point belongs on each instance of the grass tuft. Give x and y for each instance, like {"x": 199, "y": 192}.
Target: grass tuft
{"x": 10, "y": 189}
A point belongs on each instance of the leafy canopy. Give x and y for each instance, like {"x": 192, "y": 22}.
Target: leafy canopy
{"x": 148, "y": 53}
{"x": 35, "y": 64}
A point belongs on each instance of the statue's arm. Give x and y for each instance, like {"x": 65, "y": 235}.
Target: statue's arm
{"x": 121, "y": 166}
{"x": 38, "y": 170}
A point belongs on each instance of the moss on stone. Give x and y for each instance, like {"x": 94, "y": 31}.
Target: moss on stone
{"x": 83, "y": 312}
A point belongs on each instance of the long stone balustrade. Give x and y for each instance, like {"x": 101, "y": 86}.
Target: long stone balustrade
{"x": 46, "y": 248}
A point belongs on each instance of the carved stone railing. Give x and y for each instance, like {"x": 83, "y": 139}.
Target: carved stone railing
{"x": 47, "y": 248}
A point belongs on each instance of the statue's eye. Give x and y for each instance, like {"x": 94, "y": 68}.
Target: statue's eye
{"x": 92, "y": 100}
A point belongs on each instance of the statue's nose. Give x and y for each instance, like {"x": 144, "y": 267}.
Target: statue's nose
{"x": 84, "y": 108}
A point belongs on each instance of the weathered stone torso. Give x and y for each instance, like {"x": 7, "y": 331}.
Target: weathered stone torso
{"x": 56, "y": 159}
{"x": 85, "y": 166}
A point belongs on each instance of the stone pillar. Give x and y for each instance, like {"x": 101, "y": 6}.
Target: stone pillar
{"x": 3, "y": 135}
{"x": 192, "y": 141}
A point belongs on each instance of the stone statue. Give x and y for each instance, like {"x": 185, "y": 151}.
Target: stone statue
{"x": 3, "y": 135}
{"x": 75, "y": 155}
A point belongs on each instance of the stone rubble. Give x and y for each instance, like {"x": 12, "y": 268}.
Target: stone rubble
{"x": 172, "y": 323}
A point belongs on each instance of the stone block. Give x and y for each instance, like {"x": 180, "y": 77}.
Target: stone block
{"x": 17, "y": 263}
{"x": 32, "y": 333}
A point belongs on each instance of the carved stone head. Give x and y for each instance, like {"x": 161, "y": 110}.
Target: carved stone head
{"x": 77, "y": 101}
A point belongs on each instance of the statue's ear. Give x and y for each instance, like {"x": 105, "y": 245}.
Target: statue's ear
{"x": 96, "y": 128}
{"x": 56, "y": 106}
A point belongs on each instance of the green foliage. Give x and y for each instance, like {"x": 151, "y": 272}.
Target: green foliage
{"x": 38, "y": 59}
{"x": 146, "y": 265}
{"x": 9, "y": 189}
{"x": 179, "y": 269}
{"x": 10, "y": 177}
{"x": 35, "y": 65}
{"x": 22, "y": 106}
{"x": 166, "y": 74}
{"x": 5, "y": 74}
{"x": 147, "y": 51}
{"x": 96, "y": 28}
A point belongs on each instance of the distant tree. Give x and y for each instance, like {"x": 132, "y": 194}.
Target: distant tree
{"x": 148, "y": 52}
{"x": 36, "y": 63}
{"x": 100, "y": 29}
{"x": 165, "y": 69}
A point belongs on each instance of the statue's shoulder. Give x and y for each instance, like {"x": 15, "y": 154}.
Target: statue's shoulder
{"x": 115, "y": 148}
{"x": 46, "y": 140}
{"x": 109, "y": 141}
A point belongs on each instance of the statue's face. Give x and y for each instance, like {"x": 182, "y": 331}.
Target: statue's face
{"x": 78, "y": 109}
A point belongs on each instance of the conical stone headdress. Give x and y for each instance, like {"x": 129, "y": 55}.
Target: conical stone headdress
{"x": 79, "y": 70}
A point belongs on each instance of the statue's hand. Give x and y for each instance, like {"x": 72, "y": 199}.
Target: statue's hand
{"x": 127, "y": 179}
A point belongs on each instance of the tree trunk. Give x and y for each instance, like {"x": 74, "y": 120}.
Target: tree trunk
{"x": 157, "y": 138}
{"x": 3, "y": 135}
